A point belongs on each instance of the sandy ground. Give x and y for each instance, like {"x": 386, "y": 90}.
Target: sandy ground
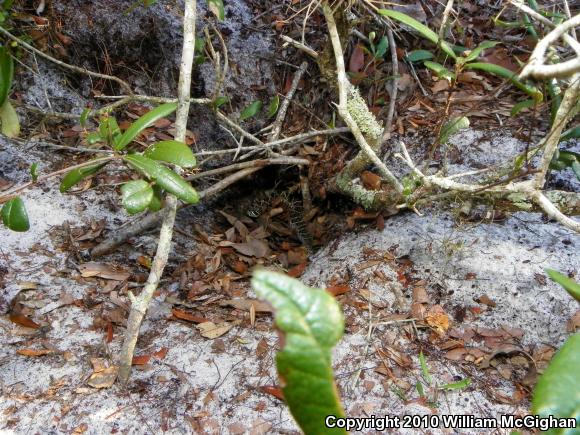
{"x": 197, "y": 385}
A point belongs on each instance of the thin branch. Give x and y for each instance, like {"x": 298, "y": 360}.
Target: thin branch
{"x": 443, "y": 28}
{"x": 394, "y": 85}
{"x": 552, "y": 211}
{"x": 309, "y": 51}
{"x": 260, "y": 163}
{"x": 121, "y": 82}
{"x": 277, "y": 126}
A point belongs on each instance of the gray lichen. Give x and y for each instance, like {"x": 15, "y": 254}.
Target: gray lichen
{"x": 366, "y": 121}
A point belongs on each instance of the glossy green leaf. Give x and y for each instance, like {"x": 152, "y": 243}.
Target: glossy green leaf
{"x": 6, "y": 74}
{"x": 500, "y": 71}
{"x": 113, "y": 131}
{"x": 572, "y": 133}
{"x": 518, "y": 107}
{"x": 312, "y": 324}
{"x": 464, "y": 383}
{"x": 251, "y": 110}
{"x": 14, "y": 215}
{"x": 34, "y": 172}
{"x": 9, "y": 120}
{"x": 439, "y": 70}
{"x": 381, "y": 48}
{"x": 220, "y": 101}
{"x": 425, "y": 31}
{"x": 474, "y": 54}
{"x": 451, "y": 127}
{"x": 157, "y": 200}
{"x": 557, "y": 392}
{"x": 94, "y": 137}
{"x": 172, "y": 151}
{"x": 136, "y": 196}
{"x": 419, "y": 55}
{"x": 77, "y": 175}
{"x": 273, "y": 106}
{"x": 217, "y": 8}
{"x": 569, "y": 284}
{"x": 143, "y": 122}
{"x": 164, "y": 177}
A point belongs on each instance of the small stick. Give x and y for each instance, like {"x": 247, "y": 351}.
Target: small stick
{"x": 260, "y": 163}
{"x": 394, "y": 88}
{"x": 309, "y": 51}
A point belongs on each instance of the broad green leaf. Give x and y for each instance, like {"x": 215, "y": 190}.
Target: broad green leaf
{"x": 439, "y": 70}
{"x": 456, "y": 385}
{"x": 219, "y": 102}
{"x": 113, "y": 131}
{"x": 34, "y": 172}
{"x": 474, "y": 54}
{"x": 500, "y": 71}
{"x": 451, "y": 127}
{"x": 557, "y": 392}
{"x": 6, "y": 74}
{"x": 273, "y": 107}
{"x": 572, "y": 133}
{"x": 94, "y": 137}
{"x": 136, "y": 196}
{"x": 569, "y": 284}
{"x": 172, "y": 151}
{"x": 14, "y": 215}
{"x": 9, "y": 120}
{"x": 424, "y": 368}
{"x": 425, "y": 31}
{"x": 518, "y": 107}
{"x": 419, "y": 55}
{"x": 251, "y": 110}
{"x": 312, "y": 324}
{"x": 381, "y": 47}
{"x": 156, "y": 201}
{"x": 84, "y": 116}
{"x": 217, "y": 8}
{"x": 77, "y": 175}
{"x": 164, "y": 177}
{"x": 143, "y": 122}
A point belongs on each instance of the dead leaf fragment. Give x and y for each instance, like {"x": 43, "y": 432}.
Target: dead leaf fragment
{"x": 104, "y": 378}
{"x": 253, "y": 248}
{"x": 184, "y": 315}
{"x": 103, "y": 270}
{"x": 246, "y": 305}
{"x": 211, "y": 330}
{"x": 34, "y": 352}
{"x": 22, "y": 320}
{"x": 438, "y": 319}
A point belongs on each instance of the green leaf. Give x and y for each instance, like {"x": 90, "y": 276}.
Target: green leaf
{"x": 419, "y": 55}
{"x": 420, "y": 389}
{"x": 143, "y": 122}
{"x": 14, "y": 215}
{"x": 381, "y": 47}
{"x": 557, "y": 392}
{"x": 251, "y": 110}
{"x": 94, "y": 137}
{"x": 34, "y": 172}
{"x": 84, "y": 116}
{"x": 572, "y": 133}
{"x": 136, "y": 196}
{"x": 217, "y": 8}
{"x": 6, "y": 74}
{"x": 474, "y": 54}
{"x": 219, "y": 102}
{"x": 439, "y": 70}
{"x": 172, "y": 151}
{"x": 451, "y": 127}
{"x": 9, "y": 120}
{"x": 425, "y": 31}
{"x": 164, "y": 177}
{"x": 500, "y": 71}
{"x": 273, "y": 107}
{"x": 456, "y": 385}
{"x": 77, "y": 175}
{"x": 156, "y": 201}
{"x": 424, "y": 368}
{"x": 312, "y": 324}
{"x": 569, "y": 284}
{"x": 518, "y": 107}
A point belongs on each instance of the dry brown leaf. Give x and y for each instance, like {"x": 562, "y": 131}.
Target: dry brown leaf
{"x": 574, "y": 323}
{"x": 141, "y": 360}
{"x": 370, "y": 180}
{"x": 211, "y": 330}
{"x": 273, "y": 391}
{"x": 103, "y": 270}
{"x": 161, "y": 353}
{"x": 420, "y": 295}
{"x": 22, "y": 320}
{"x": 246, "y": 304}
{"x": 34, "y": 352}
{"x": 438, "y": 319}
{"x": 104, "y": 378}
{"x": 337, "y": 290}
{"x": 184, "y": 315}
{"x": 253, "y": 248}
{"x": 456, "y": 354}
{"x": 296, "y": 271}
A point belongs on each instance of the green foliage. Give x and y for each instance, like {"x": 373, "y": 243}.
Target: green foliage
{"x": 518, "y": 107}
{"x": 419, "y": 55}
{"x": 34, "y": 172}
{"x": 142, "y": 123}
{"x": 5, "y": 10}
{"x": 571, "y": 133}
{"x": 459, "y": 385}
{"x": 569, "y": 284}
{"x": 164, "y": 177}
{"x": 219, "y": 101}
{"x": 312, "y": 324}
{"x": 172, "y": 151}
{"x": 451, "y": 127}
{"x": 273, "y": 106}
{"x": 136, "y": 196}
{"x": 8, "y": 116}
{"x": 439, "y": 70}
{"x": 557, "y": 392}
{"x": 379, "y": 49}
{"x": 77, "y": 175}
{"x": 251, "y": 111}
{"x": 9, "y": 120}
{"x": 217, "y": 8}
{"x": 14, "y": 215}
{"x": 566, "y": 159}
